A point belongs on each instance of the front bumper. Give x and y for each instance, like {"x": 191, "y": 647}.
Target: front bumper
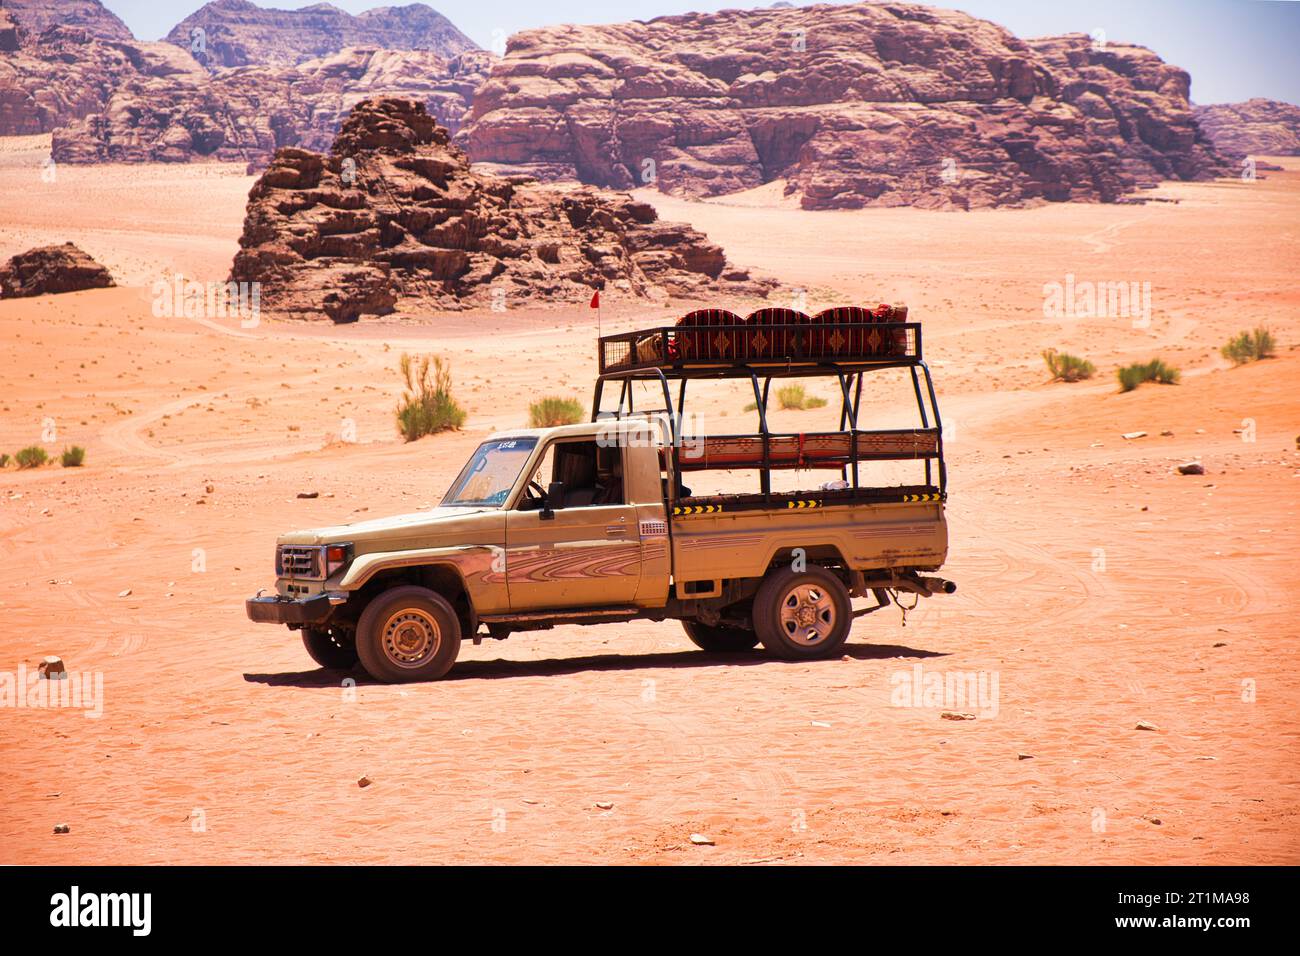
{"x": 274, "y": 609}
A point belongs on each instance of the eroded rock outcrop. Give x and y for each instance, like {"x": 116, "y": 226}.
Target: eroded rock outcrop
{"x": 34, "y": 17}
{"x": 394, "y": 219}
{"x": 239, "y": 33}
{"x": 245, "y": 113}
{"x": 871, "y": 104}
{"x": 66, "y": 73}
{"x": 50, "y": 269}
{"x": 1257, "y": 127}
{"x": 110, "y": 98}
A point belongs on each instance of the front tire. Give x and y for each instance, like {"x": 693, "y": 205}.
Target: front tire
{"x": 802, "y": 615}
{"x": 408, "y": 634}
{"x": 329, "y": 648}
{"x": 720, "y": 640}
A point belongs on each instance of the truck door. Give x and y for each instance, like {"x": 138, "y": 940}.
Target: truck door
{"x": 585, "y": 554}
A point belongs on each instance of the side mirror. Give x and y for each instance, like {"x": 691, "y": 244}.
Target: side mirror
{"x": 554, "y": 498}
{"x": 555, "y": 495}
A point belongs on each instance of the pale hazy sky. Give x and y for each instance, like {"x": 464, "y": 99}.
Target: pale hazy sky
{"x": 1234, "y": 49}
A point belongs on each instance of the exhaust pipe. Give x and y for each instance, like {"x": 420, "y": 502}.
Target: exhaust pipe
{"x": 909, "y": 582}
{"x": 937, "y": 585}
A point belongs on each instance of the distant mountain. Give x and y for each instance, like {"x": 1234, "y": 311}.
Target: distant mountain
{"x": 244, "y": 114}
{"x": 854, "y": 105}
{"x": 71, "y": 68}
{"x": 239, "y": 33}
{"x": 34, "y": 17}
{"x": 1257, "y": 127}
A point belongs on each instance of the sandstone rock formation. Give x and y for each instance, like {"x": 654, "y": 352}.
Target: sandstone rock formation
{"x": 239, "y": 33}
{"x": 34, "y": 17}
{"x": 394, "y": 219}
{"x": 871, "y": 104}
{"x": 1257, "y": 127}
{"x": 109, "y": 98}
{"x": 244, "y": 114}
{"x": 10, "y": 32}
{"x": 66, "y": 73}
{"x": 50, "y": 269}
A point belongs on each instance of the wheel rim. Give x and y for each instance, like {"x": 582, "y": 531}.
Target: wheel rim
{"x": 808, "y": 615}
{"x": 410, "y": 637}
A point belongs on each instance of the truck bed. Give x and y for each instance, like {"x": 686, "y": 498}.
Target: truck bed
{"x": 737, "y": 536}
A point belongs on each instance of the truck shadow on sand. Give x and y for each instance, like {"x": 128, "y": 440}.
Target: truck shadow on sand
{"x": 556, "y": 667}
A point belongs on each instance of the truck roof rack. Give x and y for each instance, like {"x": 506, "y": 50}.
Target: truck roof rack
{"x": 716, "y": 343}
{"x": 843, "y": 343}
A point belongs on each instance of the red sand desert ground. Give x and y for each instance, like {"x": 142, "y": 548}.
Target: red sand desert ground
{"x": 220, "y": 741}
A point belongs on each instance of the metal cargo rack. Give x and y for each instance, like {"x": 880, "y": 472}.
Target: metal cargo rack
{"x": 761, "y": 353}
{"x": 732, "y": 348}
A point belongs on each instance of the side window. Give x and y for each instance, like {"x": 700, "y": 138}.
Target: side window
{"x": 592, "y": 474}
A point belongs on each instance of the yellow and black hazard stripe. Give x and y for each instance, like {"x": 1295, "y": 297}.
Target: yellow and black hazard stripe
{"x": 803, "y": 503}
{"x": 679, "y": 510}
{"x": 931, "y": 497}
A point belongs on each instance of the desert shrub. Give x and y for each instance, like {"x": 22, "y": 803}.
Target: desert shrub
{"x": 427, "y": 405}
{"x": 1249, "y": 346}
{"x": 554, "y": 410}
{"x": 1160, "y": 373}
{"x": 1066, "y": 367}
{"x": 32, "y": 456}
{"x": 4, "y": 461}
{"x": 1131, "y": 376}
{"x": 793, "y": 396}
{"x": 73, "y": 457}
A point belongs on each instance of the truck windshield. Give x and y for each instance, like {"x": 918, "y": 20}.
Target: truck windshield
{"x": 490, "y": 473}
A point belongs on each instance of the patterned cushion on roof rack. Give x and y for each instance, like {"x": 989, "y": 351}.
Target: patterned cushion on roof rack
{"x": 776, "y": 333}
{"x": 864, "y": 337}
{"x": 897, "y": 340}
{"x": 841, "y": 342}
{"x": 714, "y": 340}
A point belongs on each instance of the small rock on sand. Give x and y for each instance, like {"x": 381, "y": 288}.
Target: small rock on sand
{"x": 52, "y": 668}
{"x": 363, "y": 782}
{"x": 62, "y": 828}
{"x": 309, "y": 494}
{"x": 125, "y": 592}
{"x": 1131, "y": 435}
{"x": 604, "y": 805}
{"x": 699, "y": 839}
{"x": 953, "y": 715}
{"x": 1191, "y": 468}
{"x": 1145, "y": 725}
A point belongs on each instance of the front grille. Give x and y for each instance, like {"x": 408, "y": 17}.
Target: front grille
{"x": 301, "y": 561}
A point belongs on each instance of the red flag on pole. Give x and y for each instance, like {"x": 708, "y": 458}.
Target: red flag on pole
{"x": 595, "y": 299}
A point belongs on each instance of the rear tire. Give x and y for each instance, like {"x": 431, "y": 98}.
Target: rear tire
{"x": 720, "y": 640}
{"x": 329, "y": 648}
{"x": 407, "y": 634}
{"x": 802, "y": 615}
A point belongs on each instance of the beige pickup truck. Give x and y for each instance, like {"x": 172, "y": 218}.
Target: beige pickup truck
{"x": 593, "y": 523}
